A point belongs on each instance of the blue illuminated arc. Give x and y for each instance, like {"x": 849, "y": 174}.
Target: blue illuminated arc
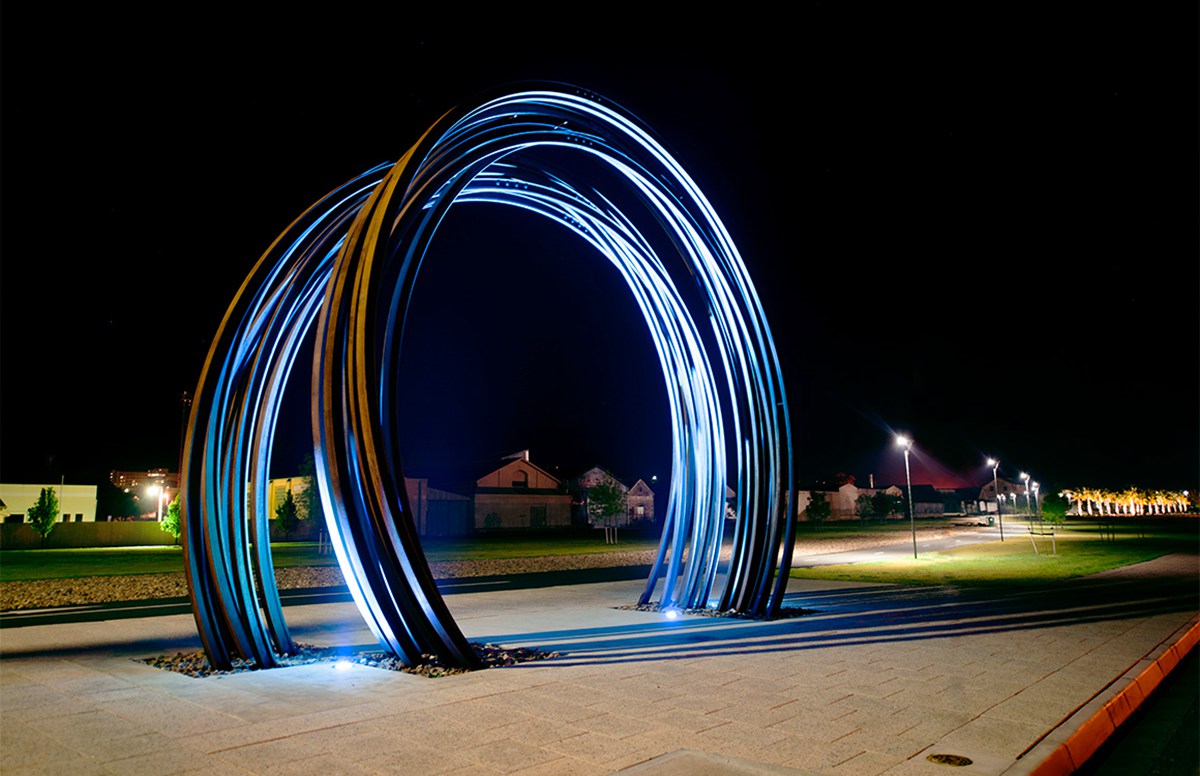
{"x": 349, "y": 265}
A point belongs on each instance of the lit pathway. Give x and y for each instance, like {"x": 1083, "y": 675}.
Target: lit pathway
{"x": 874, "y": 681}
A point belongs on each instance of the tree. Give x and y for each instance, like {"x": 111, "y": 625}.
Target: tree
{"x": 864, "y": 506}
{"x": 1054, "y": 509}
{"x": 286, "y": 515}
{"x": 307, "y": 503}
{"x": 819, "y": 508}
{"x": 171, "y": 522}
{"x": 887, "y": 504}
{"x": 607, "y": 500}
{"x": 44, "y": 514}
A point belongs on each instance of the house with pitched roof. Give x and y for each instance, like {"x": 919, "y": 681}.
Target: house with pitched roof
{"x": 521, "y": 495}
{"x": 639, "y": 499}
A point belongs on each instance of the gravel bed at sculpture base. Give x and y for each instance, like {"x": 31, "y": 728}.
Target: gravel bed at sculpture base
{"x": 784, "y": 611}
{"x": 196, "y": 665}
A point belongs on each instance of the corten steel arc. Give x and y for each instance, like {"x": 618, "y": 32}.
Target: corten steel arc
{"x": 350, "y": 263}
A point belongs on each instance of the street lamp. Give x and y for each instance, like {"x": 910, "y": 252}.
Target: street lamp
{"x": 157, "y": 492}
{"x": 906, "y": 443}
{"x": 992, "y": 462}
{"x": 1028, "y": 503}
{"x": 1037, "y": 511}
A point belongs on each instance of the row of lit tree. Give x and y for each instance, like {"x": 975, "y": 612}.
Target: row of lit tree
{"x": 1131, "y": 501}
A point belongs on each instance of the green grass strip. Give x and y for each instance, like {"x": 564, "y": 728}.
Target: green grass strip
{"x": 17, "y": 565}
{"x": 1011, "y": 562}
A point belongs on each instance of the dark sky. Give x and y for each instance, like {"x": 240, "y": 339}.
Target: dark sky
{"x": 976, "y": 228}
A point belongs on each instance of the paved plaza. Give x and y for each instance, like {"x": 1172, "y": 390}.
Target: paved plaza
{"x": 874, "y": 680}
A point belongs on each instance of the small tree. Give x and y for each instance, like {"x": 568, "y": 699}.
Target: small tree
{"x": 171, "y": 522}
{"x": 286, "y": 515}
{"x": 864, "y": 506}
{"x": 1054, "y": 509}
{"x": 606, "y": 501}
{"x": 887, "y": 504}
{"x": 308, "y": 499}
{"x": 818, "y": 508}
{"x": 44, "y": 514}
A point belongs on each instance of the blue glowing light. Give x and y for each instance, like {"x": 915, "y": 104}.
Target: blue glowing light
{"x": 348, "y": 265}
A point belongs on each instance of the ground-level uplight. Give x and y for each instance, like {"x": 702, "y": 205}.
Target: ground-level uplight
{"x": 906, "y": 443}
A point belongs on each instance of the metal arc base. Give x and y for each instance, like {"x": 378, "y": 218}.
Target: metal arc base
{"x": 348, "y": 266}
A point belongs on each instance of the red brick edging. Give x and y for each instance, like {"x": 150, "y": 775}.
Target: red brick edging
{"x": 1071, "y": 754}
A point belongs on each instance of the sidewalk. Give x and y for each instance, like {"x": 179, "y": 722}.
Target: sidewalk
{"x": 875, "y": 681}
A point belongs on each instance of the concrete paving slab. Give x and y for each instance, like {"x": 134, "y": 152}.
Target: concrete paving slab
{"x": 876, "y": 679}
{"x": 690, "y": 763}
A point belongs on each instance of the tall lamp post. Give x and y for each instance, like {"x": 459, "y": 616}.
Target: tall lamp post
{"x": 906, "y": 443}
{"x": 1028, "y": 502}
{"x": 992, "y": 462}
{"x": 157, "y": 492}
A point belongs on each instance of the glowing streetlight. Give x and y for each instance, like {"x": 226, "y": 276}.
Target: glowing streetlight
{"x": 156, "y": 492}
{"x": 992, "y": 462}
{"x": 1037, "y": 511}
{"x": 1029, "y": 505}
{"x": 906, "y": 443}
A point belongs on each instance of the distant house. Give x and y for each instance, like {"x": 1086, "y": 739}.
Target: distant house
{"x": 579, "y": 497}
{"x": 1009, "y": 491}
{"x": 594, "y": 475}
{"x": 962, "y": 501}
{"x": 641, "y": 503}
{"x": 927, "y": 501}
{"x": 843, "y": 501}
{"x": 521, "y": 494}
{"x": 639, "y": 499}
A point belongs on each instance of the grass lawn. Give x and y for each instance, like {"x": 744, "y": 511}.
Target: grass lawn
{"x": 110, "y": 561}
{"x": 1013, "y": 562}
{"x": 88, "y": 562}
{"x": 517, "y": 547}
{"x": 1081, "y": 550}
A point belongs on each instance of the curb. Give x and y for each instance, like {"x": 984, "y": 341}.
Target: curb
{"x": 1099, "y": 719}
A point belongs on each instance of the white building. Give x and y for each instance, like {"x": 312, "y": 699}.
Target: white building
{"x": 76, "y": 503}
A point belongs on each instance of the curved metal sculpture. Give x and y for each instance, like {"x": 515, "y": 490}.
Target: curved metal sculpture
{"x": 349, "y": 265}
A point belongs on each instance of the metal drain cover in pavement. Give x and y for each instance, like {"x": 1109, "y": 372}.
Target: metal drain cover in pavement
{"x": 949, "y": 759}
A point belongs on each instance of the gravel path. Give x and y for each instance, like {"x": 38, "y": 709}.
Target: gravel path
{"x": 46, "y": 593}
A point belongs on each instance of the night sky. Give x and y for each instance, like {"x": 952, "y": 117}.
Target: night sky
{"x": 979, "y": 229}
